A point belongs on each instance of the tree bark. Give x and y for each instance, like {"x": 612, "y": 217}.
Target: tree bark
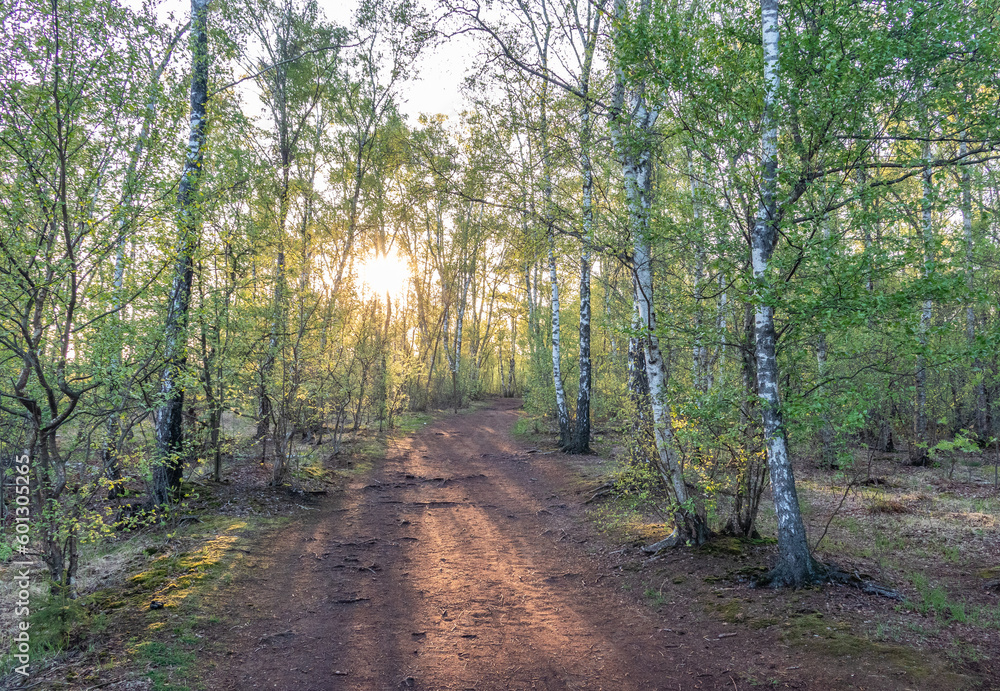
{"x": 588, "y": 33}
{"x": 921, "y": 441}
{"x": 562, "y": 409}
{"x": 795, "y": 565}
{"x": 169, "y": 425}
{"x": 635, "y": 153}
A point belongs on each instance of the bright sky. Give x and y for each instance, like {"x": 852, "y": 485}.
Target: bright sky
{"x": 441, "y": 70}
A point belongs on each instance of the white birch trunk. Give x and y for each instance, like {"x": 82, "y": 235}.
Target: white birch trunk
{"x": 456, "y": 361}
{"x": 126, "y": 215}
{"x": 796, "y": 566}
{"x": 635, "y": 153}
{"x": 169, "y": 424}
{"x": 587, "y": 32}
{"x": 918, "y": 450}
{"x": 562, "y": 409}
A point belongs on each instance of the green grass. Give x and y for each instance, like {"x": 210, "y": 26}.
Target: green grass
{"x": 655, "y": 597}
{"x": 408, "y": 423}
{"x": 525, "y": 428}
{"x": 165, "y": 661}
{"x": 935, "y": 601}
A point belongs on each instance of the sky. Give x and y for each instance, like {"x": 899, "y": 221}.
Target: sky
{"x": 441, "y": 70}
{"x": 437, "y": 90}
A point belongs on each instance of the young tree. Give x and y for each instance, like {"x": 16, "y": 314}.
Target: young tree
{"x": 168, "y": 470}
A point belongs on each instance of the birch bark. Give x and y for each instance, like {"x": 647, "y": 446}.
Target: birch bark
{"x": 126, "y": 215}
{"x": 587, "y": 28}
{"x": 795, "y": 565}
{"x": 169, "y": 428}
{"x": 635, "y": 151}
{"x": 542, "y": 39}
{"x": 921, "y": 442}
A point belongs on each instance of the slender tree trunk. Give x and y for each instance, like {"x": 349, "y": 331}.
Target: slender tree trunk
{"x": 126, "y": 215}
{"x": 921, "y": 441}
{"x": 796, "y": 565}
{"x": 880, "y": 431}
{"x": 562, "y": 409}
{"x": 581, "y": 441}
{"x": 511, "y": 379}
{"x": 699, "y": 355}
{"x": 721, "y": 329}
{"x": 638, "y": 387}
{"x": 827, "y": 454}
{"x": 588, "y": 33}
{"x": 456, "y": 363}
{"x": 169, "y": 425}
{"x": 635, "y": 153}
{"x": 979, "y": 404}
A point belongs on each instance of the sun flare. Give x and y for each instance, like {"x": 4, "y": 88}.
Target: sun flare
{"x": 384, "y": 275}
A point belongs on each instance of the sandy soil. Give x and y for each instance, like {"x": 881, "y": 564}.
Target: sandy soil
{"x": 465, "y": 562}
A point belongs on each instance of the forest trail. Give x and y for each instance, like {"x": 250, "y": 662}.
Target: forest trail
{"x": 462, "y": 562}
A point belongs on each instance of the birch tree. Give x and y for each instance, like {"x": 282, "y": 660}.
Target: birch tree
{"x": 632, "y": 123}
{"x": 796, "y": 565}
{"x": 169, "y": 415}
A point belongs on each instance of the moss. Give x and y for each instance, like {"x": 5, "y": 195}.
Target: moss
{"x": 723, "y": 547}
{"x": 989, "y": 574}
{"x": 731, "y": 611}
{"x": 829, "y": 637}
{"x": 751, "y": 572}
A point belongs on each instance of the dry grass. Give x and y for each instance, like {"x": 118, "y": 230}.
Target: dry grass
{"x": 891, "y": 506}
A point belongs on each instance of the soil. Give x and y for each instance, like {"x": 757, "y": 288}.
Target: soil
{"x": 466, "y": 560}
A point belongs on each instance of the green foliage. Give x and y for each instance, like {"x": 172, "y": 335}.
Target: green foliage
{"x": 935, "y": 601}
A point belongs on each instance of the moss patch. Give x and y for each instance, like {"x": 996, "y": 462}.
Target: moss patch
{"x": 826, "y": 636}
{"x": 170, "y": 577}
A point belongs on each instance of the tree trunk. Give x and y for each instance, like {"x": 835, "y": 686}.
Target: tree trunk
{"x": 581, "y": 440}
{"x": 562, "y": 409}
{"x": 588, "y": 34}
{"x": 638, "y": 387}
{"x": 126, "y": 215}
{"x": 921, "y": 441}
{"x": 635, "y": 153}
{"x": 827, "y": 453}
{"x": 796, "y": 565}
{"x": 699, "y": 354}
{"x": 169, "y": 426}
{"x": 979, "y": 406}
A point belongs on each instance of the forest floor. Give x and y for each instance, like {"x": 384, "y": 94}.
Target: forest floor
{"x": 468, "y": 559}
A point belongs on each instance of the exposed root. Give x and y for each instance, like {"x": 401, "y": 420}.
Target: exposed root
{"x": 669, "y": 542}
{"x": 866, "y": 586}
{"x": 604, "y": 490}
{"x": 818, "y": 574}
{"x": 785, "y": 576}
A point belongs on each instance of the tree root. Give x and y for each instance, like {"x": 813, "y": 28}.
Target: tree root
{"x": 604, "y": 490}
{"x": 820, "y": 574}
{"x": 855, "y": 580}
{"x": 669, "y": 542}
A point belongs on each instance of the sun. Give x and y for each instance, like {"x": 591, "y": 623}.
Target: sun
{"x": 384, "y": 275}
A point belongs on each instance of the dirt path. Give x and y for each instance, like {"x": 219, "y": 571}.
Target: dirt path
{"x": 462, "y": 563}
